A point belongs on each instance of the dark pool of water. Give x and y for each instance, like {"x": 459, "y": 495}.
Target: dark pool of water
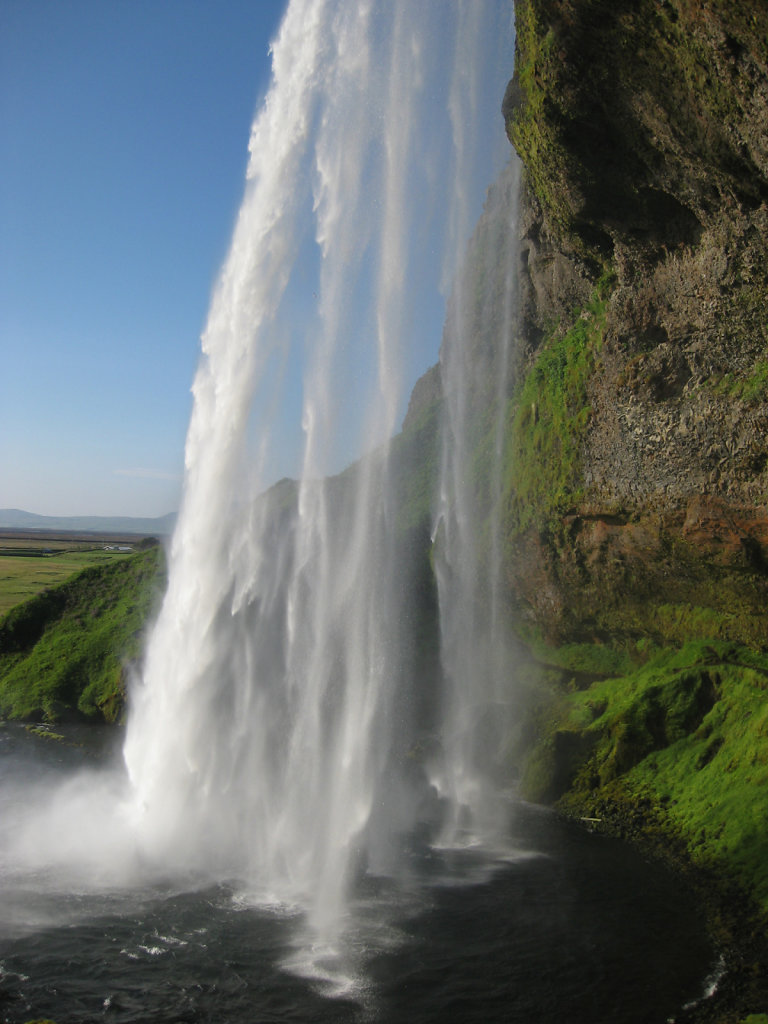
{"x": 559, "y": 925}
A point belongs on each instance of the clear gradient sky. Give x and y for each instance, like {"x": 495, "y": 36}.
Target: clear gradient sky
{"x": 124, "y": 127}
{"x": 124, "y": 130}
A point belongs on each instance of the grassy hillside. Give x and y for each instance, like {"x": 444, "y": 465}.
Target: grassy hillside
{"x": 66, "y": 650}
{"x": 26, "y": 569}
{"x": 684, "y": 733}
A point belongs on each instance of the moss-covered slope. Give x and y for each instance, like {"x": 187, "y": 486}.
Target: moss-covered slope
{"x": 66, "y": 650}
{"x": 689, "y": 730}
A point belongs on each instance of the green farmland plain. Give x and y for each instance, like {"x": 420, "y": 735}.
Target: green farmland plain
{"x": 29, "y": 565}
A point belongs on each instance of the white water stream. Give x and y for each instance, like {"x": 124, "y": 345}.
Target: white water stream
{"x": 265, "y": 737}
{"x": 478, "y": 707}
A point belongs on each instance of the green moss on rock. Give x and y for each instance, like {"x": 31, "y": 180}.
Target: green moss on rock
{"x": 550, "y": 420}
{"x": 685, "y": 734}
{"x": 616, "y": 106}
{"x": 65, "y": 651}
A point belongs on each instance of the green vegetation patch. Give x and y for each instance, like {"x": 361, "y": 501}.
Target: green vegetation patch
{"x": 687, "y": 734}
{"x": 750, "y": 389}
{"x": 24, "y": 574}
{"x": 585, "y": 659}
{"x": 66, "y": 648}
{"x": 550, "y": 420}
{"x": 534, "y": 127}
{"x": 414, "y": 463}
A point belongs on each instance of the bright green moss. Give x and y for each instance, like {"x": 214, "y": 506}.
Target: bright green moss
{"x": 66, "y": 649}
{"x": 751, "y": 388}
{"x": 687, "y": 732}
{"x": 550, "y": 419}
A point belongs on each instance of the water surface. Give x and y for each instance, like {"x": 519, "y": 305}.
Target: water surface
{"x": 556, "y": 923}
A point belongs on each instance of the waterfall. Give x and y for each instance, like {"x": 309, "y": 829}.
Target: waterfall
{"x": 269, "y": 737}
{"x": 477, "y": 657}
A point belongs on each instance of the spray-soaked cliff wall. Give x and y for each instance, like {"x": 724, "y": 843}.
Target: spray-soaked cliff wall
{"x": 635, "y": 506}
{"x": 641, "y": 442}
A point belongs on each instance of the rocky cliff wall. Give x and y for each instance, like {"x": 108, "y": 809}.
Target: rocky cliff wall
{"x": 636, "y": 463}
{"x": 643, "y": 130}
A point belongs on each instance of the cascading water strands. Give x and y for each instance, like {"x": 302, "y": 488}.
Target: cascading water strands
{"x": 269, "y": 736}
{"x": 478, "y": 713}
{"x": 277, "y": 734}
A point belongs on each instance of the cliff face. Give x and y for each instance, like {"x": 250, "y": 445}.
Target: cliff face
{"x": 636, "y": 462}
{"x": 643, "y": 130}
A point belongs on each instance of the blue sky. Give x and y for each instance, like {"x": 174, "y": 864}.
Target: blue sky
{"x": 124, "y": 127}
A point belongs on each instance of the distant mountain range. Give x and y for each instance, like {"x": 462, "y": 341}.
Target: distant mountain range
{"x": 16, "y": 519}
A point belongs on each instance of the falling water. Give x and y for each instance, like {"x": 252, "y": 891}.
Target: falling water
{"x": 268, "y": 739}
{"x": 478, "y": 705}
